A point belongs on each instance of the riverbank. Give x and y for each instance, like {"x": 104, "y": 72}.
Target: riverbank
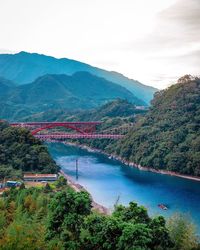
{"x": 132, "y": 164}
{"x": 78, "y": 188}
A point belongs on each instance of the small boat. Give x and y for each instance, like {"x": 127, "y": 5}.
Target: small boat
{"x": 162, "y": 206}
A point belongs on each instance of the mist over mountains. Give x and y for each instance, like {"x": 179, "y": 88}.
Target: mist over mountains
{"x": 32, "y": 83}
{"x": 23, "y": 68}
{"x": 76, "y": 92}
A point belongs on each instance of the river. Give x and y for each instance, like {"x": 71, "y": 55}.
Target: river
{"x": 109, "y": 180}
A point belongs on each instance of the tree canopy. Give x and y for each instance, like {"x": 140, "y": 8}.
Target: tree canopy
{"x": 20, "y": 151}
{"x": 35, "y": 219}
{"x": 168, "y": 136}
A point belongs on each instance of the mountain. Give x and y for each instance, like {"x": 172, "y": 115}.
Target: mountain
{"x": 5, "y": 86}
{"x": 168, "y": 136}
{"x": 115, "y": 109}
{"x": 140, "y": 90}
{"x": 8, "y": 110}
{"x": 81, "y": 90}
{"x": 12, "y": 112}
{"x": 25, "y": 67}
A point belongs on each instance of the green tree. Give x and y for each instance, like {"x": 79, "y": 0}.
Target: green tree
{"x": 67, "y": 211}
{"x": 101, "y": 232}
{"x": 132, "y": 213}
{"x": 160, "y": 234}
{"x": 61, "y": 182}
{"x": 47, "y": 188}
{"x": 135, "y": 237}
{"x": 182, "y": 232}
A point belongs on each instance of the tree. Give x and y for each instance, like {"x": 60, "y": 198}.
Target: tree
{"x": 47, "y": 188}
{"x": 22, "y": 186}
{"x": 132, "y": 213}
{"x": 101, "y": 232}
{"x": 160, "y": 234}
{"x": 182, "y": 232}
{"x": 61, "y": 182}
{"x": 67, "y": 211}
{"x": 20, "y": 151}
{"x": 135, "y": 237}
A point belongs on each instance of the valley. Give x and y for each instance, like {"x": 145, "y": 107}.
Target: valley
{"x": 161, "y": 138}
{"x": 110, "y": 181}
{"x": 99, "y": 125}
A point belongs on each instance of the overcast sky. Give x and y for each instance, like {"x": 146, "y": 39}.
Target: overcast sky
{"x": 153, "y": 41}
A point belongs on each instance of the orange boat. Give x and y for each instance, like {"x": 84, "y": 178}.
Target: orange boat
{"x": 162, "y": 206}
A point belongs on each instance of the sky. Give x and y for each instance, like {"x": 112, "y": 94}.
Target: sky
{"x": 153, "y": 41}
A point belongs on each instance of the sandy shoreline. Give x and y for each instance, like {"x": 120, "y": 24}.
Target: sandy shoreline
{"x": 132, "y": 164}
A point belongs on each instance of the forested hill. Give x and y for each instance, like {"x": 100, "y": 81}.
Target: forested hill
{"x": 80, "y": 91}
{"x": 25, "y": 67}
{"x": 20, "y": 151}
{"x": 168, "y": 137}
{"x": 115, "y": 109}
{"x": 5, "y": 86}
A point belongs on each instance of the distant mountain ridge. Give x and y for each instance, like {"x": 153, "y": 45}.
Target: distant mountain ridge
{"x": 79, "y": 91}
{"x": 23, "y": 68}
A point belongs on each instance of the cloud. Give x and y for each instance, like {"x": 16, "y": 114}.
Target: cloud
{"x": 176, "y": 27}
{"x": 152, "y": 41}
{"x": 184, "y": 13}
{"x": 6, "y": 51}
{"x": 172, "y": 48}
{"x": 180, "y": 24}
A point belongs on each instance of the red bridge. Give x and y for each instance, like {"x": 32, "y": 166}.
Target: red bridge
{"x": 82, "y": 130}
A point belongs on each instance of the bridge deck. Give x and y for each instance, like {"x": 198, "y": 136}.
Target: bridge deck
{"x": 78, "y": 136}
{"x": 53, "y": 123}
{"x": 83, "y": 130}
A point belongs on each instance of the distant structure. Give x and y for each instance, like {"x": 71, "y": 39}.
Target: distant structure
{"x": 13, "y": 183}
{"x": 40, "y": 177}
{"x": 141, "y": 107}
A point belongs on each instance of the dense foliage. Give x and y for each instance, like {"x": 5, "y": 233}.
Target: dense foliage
{"x": 20, "y": 151}
{"x": 117, "y": 117}
{"x": 182, "y": 231}
{"x": 119, "y": 109}
{"x": 168, "y": 137}
{"x": 47, "y": 218}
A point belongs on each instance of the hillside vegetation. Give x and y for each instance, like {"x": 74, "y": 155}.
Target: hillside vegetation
{"x": 5, "y": 86}
{"x": 118, "y": 108}
{"x": 77, "y": 92}
{"x": 20, "y": 152}
{"x": 55, "y": 217}
{"x": 168, "y": 136}
{"x": 24, "y": 68}
{"x": 114, "y": 115}
{"x": 41, "y": 219}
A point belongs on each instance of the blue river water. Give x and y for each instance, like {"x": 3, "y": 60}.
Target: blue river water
{"x": 109, "y": 181}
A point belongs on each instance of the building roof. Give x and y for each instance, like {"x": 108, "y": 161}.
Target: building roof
{"x": 12, "y": 181}
{"x": 39, "y": 175}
